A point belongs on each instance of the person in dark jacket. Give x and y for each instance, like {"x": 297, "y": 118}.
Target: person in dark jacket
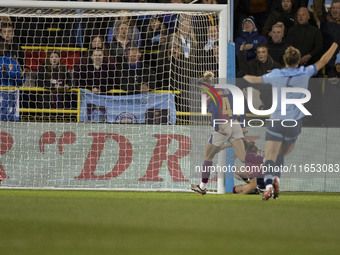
{"x": 261, "y": 65}
{"x": 306, "y": 38}
{"x": 330, "y": 102}
{"x": 329, "y": 24}
{"x": 121, "y": 43}
{"x": 7, "y": 34}
{"x": 133, "y": 75}
{"x": 250, "y": 38}
{"x": 95, "y": 73}
{"x": 286, "y": 14}
{"x": 277, "y": 44}
{"x": 53, "y": 76}
{"x": 262, "y": 95}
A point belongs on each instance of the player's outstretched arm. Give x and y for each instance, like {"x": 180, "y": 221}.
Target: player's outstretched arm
{"x": 326, "y": 57}
{"x": 253, "y": 79}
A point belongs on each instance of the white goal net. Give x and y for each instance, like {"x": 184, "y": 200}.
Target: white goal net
{"x": 95, "y": 97}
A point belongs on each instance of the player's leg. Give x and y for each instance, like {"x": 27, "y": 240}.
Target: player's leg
{"x": 239, "y": 149}
{"x": 210, "y": 151}
{"x": 236, "y": 140}
{"x": 290, "y": 135}
{"x": 272, "y": 149}
{"x": 275, "y": 137}
{"x": 212, "y": 147}
{"x": 271, "y": 176}
{"x": 285, "y": 149}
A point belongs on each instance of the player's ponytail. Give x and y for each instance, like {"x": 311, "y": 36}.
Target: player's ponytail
{"x": 250, "y": 146}
{"x": 292, "y": 57}
{"x": 207, "y": 77}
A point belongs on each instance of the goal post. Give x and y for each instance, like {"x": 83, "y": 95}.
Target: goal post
{"x": 69, "y": 135}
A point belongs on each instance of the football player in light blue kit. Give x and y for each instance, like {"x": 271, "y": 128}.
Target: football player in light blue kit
{"x": 280, "y": 139}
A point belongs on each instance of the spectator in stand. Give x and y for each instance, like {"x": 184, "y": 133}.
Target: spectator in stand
{"x": 286, "y": 14}
{"x": 85, "y": 28}
{"x": 212, "y": 33}
{"x": 201, "y": 22}
{"x": 185, "y": 38}
{"x": 335, "y": 71}
{"x": 263, "y": 64}
{"x": 254, "y": 8}
{"x": 250, "y": 38}
{"x": 10, "y": 72}
{"x": 54, "y": 76}
{"x": 97, "y": 74}
{"x": 154, "y": 39}
{"x": 246, "y": 8}
{"x": 133, "y": 31}
{"x": 169, "y": 68}
{"x": 121, "y": 43}
{"x": 133, "y": 75}
{"x": 330, "y": 23}
{"x": 209, "y": 51}
{"x": 170, "y": 20}
{"x": 306, "y": 38}
{"x": 13, "y": 47}
{"x": 331, "y": 102}
{"x": 173, "y": 73}
{"x": 97, "y": 42}
{"x": 276, "y": 44}
{"x": 216, "y": 52}
{"x": 186, "y": 35}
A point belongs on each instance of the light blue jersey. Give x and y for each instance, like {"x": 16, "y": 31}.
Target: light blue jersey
{"x": 289, "y": 77}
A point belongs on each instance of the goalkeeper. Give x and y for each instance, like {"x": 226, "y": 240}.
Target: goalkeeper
{"x": 230, "y": 131}
{"x": 252, "y": 172}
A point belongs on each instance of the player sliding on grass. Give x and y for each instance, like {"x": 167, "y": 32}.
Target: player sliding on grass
{"x": 252, "y": 172}
{"x": 220, "y": 133}
{"x": 280, "y": 139}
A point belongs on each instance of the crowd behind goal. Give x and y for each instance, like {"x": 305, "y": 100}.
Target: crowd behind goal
{"x": 132, "y": 54}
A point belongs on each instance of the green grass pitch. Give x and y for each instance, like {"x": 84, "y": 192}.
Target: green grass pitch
{"x": 111, "y": 222}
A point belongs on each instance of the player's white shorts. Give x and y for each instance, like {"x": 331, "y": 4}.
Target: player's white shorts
{"x": 230, "y": 132}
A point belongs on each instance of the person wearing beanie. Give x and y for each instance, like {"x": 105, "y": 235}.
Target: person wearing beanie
{"x": 250, "y": 38}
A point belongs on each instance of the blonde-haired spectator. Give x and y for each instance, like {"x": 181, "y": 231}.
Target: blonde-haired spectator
{"x": 276, "y": 44}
